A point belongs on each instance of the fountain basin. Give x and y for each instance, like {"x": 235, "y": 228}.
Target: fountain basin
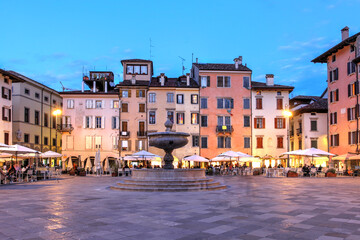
{"x": 168, "y": 140}
{"x": 165, "y": 174}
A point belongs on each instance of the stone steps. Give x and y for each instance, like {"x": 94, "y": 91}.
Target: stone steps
{"x": 170, "y": 181}
{"x": 165, "y": 185}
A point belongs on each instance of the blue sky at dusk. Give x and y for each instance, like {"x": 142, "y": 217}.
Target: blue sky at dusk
{"x": 52, "y": 41}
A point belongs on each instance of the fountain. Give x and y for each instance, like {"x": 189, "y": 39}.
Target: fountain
{"x": 168, "y": 178}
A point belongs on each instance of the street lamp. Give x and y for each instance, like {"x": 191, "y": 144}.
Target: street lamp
{"x": 287, "y": 114}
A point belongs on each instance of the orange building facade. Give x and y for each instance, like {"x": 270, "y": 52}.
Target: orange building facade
{"x": 225, "y": 107}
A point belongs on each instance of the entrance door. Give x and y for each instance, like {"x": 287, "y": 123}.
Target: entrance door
{"x": 6, "y": 138}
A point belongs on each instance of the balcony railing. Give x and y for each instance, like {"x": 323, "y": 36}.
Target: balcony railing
{"x": 64, "y": 128}
{"x": 141, "y": 134}
{"x": 224, "y": 128}
{"x": 299, "y": 131}
{"x": 124, "y": 134}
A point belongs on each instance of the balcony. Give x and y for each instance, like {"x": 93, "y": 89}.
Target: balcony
{"x": 141, "y": 134}
{"x": 224, "y": 129}
{"x": 124, "y": 134}
{"x": 64, "y": 128}
{"x": 298, "y": 131}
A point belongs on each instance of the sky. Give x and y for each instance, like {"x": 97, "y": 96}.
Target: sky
{"x": 57, "y": 41}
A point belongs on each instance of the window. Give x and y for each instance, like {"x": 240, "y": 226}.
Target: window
{"x": 194, "y": 118}
{"x": 26, "y": 115}
{"x": 352, "y": 138}
{"x": 141, "y": 107}
{"x": 259, "y": 142}
{"x": 115, "y": 122}
{"x": 224, "y": 121}
{"x": 258, "y": 103}
{"x": 314, "y": 143}
{"x": 88, "y": 122}
{"x": 125, "y": 93}
{"x": 97, "y": 142}
{"x": 89, "y": 103}
{"x": 227, "y": 103}
{"x": 279, "y": 123}
{"x": 246, "y": 102}
{"x": 152, "y": 97}
{"x": 313, "y": 125}
{"x": 124, "y": 107}
{"x": 170, "y": 97}
{"x": 6, "y": 114}
{"x": 115, "y": 104}
{"x": 204, "y": 142}
{"x": 26, "y": 138}
{"x": 126, "y": 145}
{"x": 334, "y": 75}
{"x": 351, "y": 68}
{"x": 170, "y": 116}
{"x": 259, "y": 122}
{"x": 54, "y": 102}
{"x": 353, "y": 89}
{"x": 180, "y": 118}
{"x": 246, "y": 142}
{"x": 37, "y": 118}
{"x": 333, "y": 58}
{"x": 278, "y": 93}
{"x": 351, "y": 114}
{"x": 37, "y": 95}
{"x": 152, "y": 117}
{"x": 124, "y": 126}
{"x": 279, "y": 103}
{"x": 46, "y": 99}
{"x": 280, "y": 142}
{"x": 27, "y": 91}
{"x": 70, "y": 103}
{"x": 224, "y": 142}
{"x": 140, "y": 93}
{"x": 98, "y": 104}
{"x": 204, "y": 121}
{"x": 334, "y": 140}
{"x": 194, "y": 99}
{"x": 97, "y": 122}
{"x": 46, "y": 120}
{"x": 46, "y": 141}
{"x": 205, "y": 81}
{"x": 36, "y": 139}
{"x": 54, "y": 142}
{"x": 54, "y": 122}
{"x": 137, "y": 69}
{"x": 334, "y": 96}
{"x": 88, "y": 142}
{"x": 180, "y": 98}
{"x": 246, "y": 82}
{"x": 6, "y": 93}
{"x": 352, "y": 48}
{"x": 195, "y": 141}
{"x": 140, "y": 145}
{"x": 246, "y": 121}
{"x": 223, "y": 81}
{"x": 203, "y": 103}
{"x": 333, "y": 118}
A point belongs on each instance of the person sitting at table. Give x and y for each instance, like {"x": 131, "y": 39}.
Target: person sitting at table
{"x": 306, "y": 171}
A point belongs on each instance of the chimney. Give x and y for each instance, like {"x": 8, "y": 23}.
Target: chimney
{"x": 133, "y": 79}
{"x": 238, "y": 61}
{"x": 162, "y": 79}
{"x": 94, "y": 86}
{"x": 82, "y": 86}
{"x": 197, "y": 60}
{"x": 269, "y": 79}
{"x": 344, "y": 33}
{"x": 188, "y": 79}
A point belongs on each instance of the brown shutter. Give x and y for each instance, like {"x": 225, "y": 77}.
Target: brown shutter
{"x": 255, "y": 120}
{"x": 9, "y": 115}
{"x": 137, "y": 93}
{"x": 263, "y": 122}
{"x": 121, "y": 92}
{"x": 2, "y": 92}
{"x": 275, "y": 123}
{"x": 3, "y": 113}
{"x": 129, "y": 93}
{"x": 129, "y": 145}
{"x": 208, "y": 81}
{"x": 9, "y": 94}
{"x": 284, "y": 123}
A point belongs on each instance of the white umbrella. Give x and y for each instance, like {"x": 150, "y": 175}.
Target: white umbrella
{"x": 221, "y": 159}
{"x": 196, "y": 158}
{"x": 17, "y": 149}
{"x": 50, "y": 154}
{"x": 70, "y": 164}
{"x": 144, "y": 155}
{"x": 130, "y": 158}
{"x": 296, "y": 153}
{"x": 232, "y": 154}
{"x": 106, "y": 165}
{"x": 3, "y": 145}
{"x": 346, "y": 156}
{"x": 317, "y": 152}
{"x": 88, "y": 163}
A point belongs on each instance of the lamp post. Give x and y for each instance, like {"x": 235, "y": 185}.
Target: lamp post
{"x": 56, "y": 113}
{"x": 287, "y": 114}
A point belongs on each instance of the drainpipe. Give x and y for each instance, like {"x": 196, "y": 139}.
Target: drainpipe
{"x": 42, "y": 117}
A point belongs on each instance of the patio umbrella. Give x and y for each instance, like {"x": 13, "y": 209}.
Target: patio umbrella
{"x": 50, "y": 154}
{"x": 355, "y": 157}
{"x": 144, "y": 155}
{"x": 70, "y": 164}
{"x": 3, "y": 145}
{"x": 88, "y": 163}
{"x": 220, "y": 158}
{"x": 97, "y": 161}
{"x": 232, "y": 154}
{"x": 317, "y": 152}
{"x": 17, "y": 149}
{"x": 106, "y": 165}
{"x": 344, "y": 157}
{"x": 196, "y": 158}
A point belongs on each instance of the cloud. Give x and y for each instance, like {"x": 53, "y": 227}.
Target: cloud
{"x": 128, "y": 50}
{"x": 53, "y": 56}
{"x": 313, "y": 43}
{"x": 287, "y": 66}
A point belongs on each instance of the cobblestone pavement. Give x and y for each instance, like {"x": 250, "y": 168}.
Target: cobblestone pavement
{"x": 252, "y": 207}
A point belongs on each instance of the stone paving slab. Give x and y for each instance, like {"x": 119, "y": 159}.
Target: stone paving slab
{"x": 253, "y": 207}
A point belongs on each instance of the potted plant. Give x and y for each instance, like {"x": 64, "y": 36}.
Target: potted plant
{"x": 72, "y": 172}
{"x": 209, "y": 171}
{"x": 330, "y": 173}
{"x": 115, "y": 170}
{"x": 256, "y": 172}
{"x": 82, "y": 172}
{"x": 292, "y": 174}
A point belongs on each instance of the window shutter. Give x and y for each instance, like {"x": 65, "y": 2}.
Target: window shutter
{"x": 255, "y": 120}
{"x": 263, "y": 122}
{"x": 120, "y": 93}
{"x": 275, "y": 123}
{"x": 348, "y": 114}
{"x": 103, "y": 122}
{"x": 93, "y": 104}
{"x": 260, "y": 103}
{"x": 232, "y": 103}
{"x": 348, "y": 68}
{"x": 3, "y": 113}
{"x": 331, "y": 76}
{"x": 137, "y": 93}
{"x": 84, "y": 121}
{"x": 93, "y": 121}
{"x": 284, "y": 123}
{"x": 337, "y": 94}
{"x": 349, "y": 90}
{"x": 117, "y": 122}
{"x": 112, "y": 104}
{"x": 349, "y": 138}
{"x": 103, "y": 103}
{"x": 336, "y": 77}
{"x": 9, "y": 115}
{"x": 129, "y": 93}
{"x": 129, "y": 145}
{"x": 208, "y": 81}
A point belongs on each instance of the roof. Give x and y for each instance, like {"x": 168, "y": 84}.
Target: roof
{"x": 135, "y": 60}
{"x": 323, "y": 57}
{"x": 319, "y": 106}
{"x": 221, "y": 67}
{"x": 261, "y": 86}
{"x": 13, "y": 77}
{"x": 303, "y": 97}
{"x": 89, "y": 92}
{"x": 356, "y": 60}
{"x": 137, "y": 83}
{"x": 27, "y": 79}
{"x": 173, "y": 82}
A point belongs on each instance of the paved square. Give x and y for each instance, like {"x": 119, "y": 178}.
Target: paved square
{"x": 252, "y": 207}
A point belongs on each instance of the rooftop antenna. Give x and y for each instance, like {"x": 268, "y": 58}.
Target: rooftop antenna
{"x": 182, "y": 62}
{"x": 151, "y": 46}
{"x": 65, "y": 88}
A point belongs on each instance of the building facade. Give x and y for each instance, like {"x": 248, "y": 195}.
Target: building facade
{"x": 225, "y": 107}
{"x": 343, "y": 93}
{"x": 34, "y": 125}
{"x": 270, "y": 126}
{"x": 90, "y": 121}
